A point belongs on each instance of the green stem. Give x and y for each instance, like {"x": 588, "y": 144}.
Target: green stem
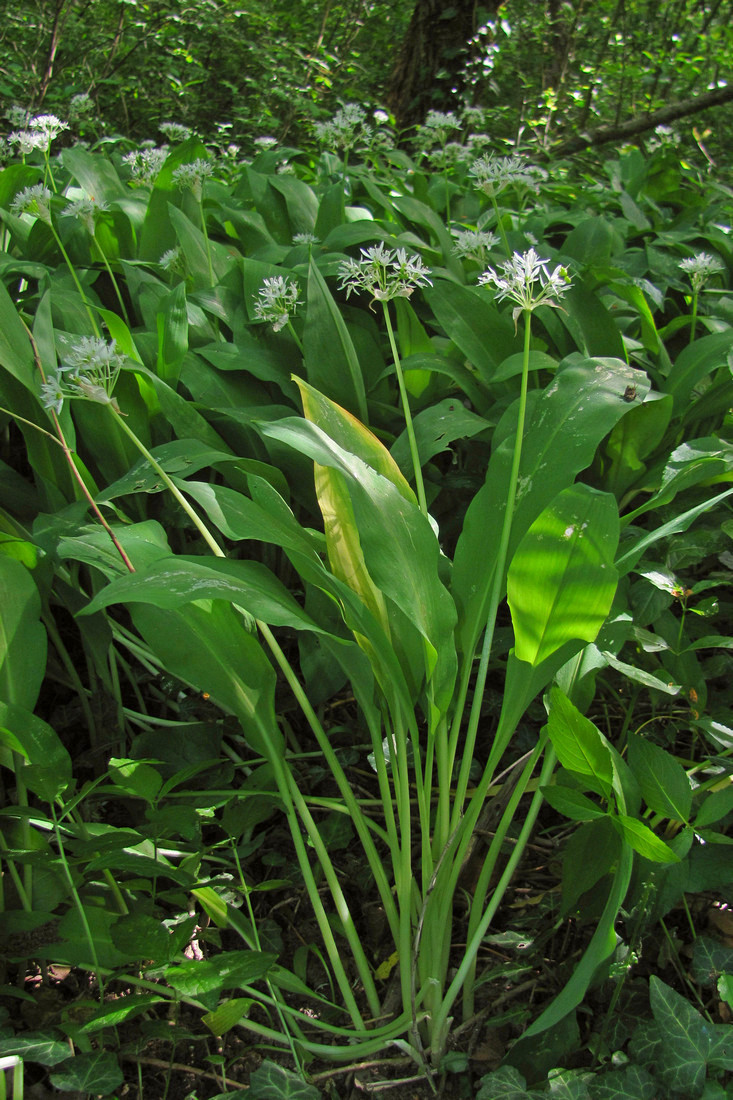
{"x": 115, "y": 284}
{"x": 500, "y": 224}
{"x": 693, "y": 323}
{"x": 417, "y": 469}
{"x": 79, "y": 905}
{"x": 296, "y": 338}
{"x": 497, "y": 586}
{"x": 75, "y": 277}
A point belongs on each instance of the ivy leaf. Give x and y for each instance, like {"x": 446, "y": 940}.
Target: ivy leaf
{"x": 97, "y": 1073}
{"x": 273, "y": 1082}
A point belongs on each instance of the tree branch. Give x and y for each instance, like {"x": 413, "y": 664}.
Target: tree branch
{"x": 639, "y": 125}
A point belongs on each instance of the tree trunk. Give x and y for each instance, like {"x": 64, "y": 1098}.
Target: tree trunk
{"x": 428, "y": 73}
{"x": 642, "y": 123}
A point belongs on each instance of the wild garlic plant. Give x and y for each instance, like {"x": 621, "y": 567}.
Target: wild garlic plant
{"x": 699, "y": 268}
{"x": 387, "y": 274}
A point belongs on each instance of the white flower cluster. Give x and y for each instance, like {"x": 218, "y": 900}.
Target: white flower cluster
{"x": 385, "y": 273}
{"x": 278, "y": 299}
{"x": 493, "y": 173}
{"x": 700, "y": 267}
{"x": 87, "y": 210}
{"x": 190, "y": 177}
{"x": 528, "y": 282}
{"x": 472, "y": 244}
{"x": 344, "y": 129}
{"x": 34, "y": 200}
{"x": 175, "y": 131}
{"x": 90, "y": 372}
{"x": 146, "y": 163}
{"x": 436, "y": 128}
{"x": 39, "y": 133}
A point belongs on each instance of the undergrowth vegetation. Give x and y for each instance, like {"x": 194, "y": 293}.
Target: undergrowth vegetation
{"x": 365, "y": 551}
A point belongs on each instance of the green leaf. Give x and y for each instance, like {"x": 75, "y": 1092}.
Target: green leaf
{"x": 331, "y": 362}
{"x": 630, "y": 1083}
{"x": 572, "y": 803}
{"x": 172, "y": 323}
{"x": 686, "y": 1038}
{"x": 435, "y": 429}
{"x": 474, "y": 324}
{"x": 143, "y": 937}
{"x": 640, "y": 837}
{"x": 561, "y": 580}
{"x": 665, "y": 786}
{"x": 227, "y": 1015}
{"x": 565, "y": 424}
{"x": 136, "y": 777}
{"x": 97, "y": 1073}
{"x": 710, "y": 959}
{"x": 717, "y": 805}
{"x": 22, "y": 636}
{"x": 505, "y": 1083}
{"x": 48, "y": 770}
{"x": 173, "y": 582}
{"x": 580, "y": 746}
{"x": 273, "y": 1082}
{"x": 37, "y": 1046}
{"x": 126, "y": 1008}
{"x": 16, "y": 354}
{"x": 695, "y": 362}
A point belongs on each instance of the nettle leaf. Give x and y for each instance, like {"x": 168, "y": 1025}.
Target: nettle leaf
{"x": 686, "y": 1039}
{"x": 274, "y": 1082}
{"x": 640, "y": 837}
{"x": 120, "y": 1011}
{"x": 142, "y": 936}
{"x": 97, "y": 1073}
{"x": 665, "y": 785}
{"x": 580, "y": 746}
{"x": 227, "y": 1015}
{"x": 572, "y": 803}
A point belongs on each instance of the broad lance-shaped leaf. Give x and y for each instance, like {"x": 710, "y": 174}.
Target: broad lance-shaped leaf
{"x": 172, "y": 582}
{"x": 400, "y": 549}
{"x": 331, "y": 361}
{"x": 565, "y": 425}
{"x": 561, "y": 580}
{"x": 22, "y": 635}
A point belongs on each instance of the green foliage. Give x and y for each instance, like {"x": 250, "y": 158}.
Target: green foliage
{"x": 308, "y": 589}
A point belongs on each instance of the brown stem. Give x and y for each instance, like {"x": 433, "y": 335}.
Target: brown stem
{"x": 61, "y": 440}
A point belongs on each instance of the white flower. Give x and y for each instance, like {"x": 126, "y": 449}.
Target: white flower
{"x": 306, "y": 238}
{"x": 190, "y": 177}
{"x": 278, "y": 299}
{"x": 87, "y": 210}
{"x": 700, "y": 267}
{"x": 172, "y": 260}
{"x": 34, "y": 200}
{"x": 80, "y": 105}
{"x": 266, "y": 142}
{"x": 385, "y": 273}
{"x": 493, "y": 174}
{"x": 437, "y": 126}
{"x": 175, "y": 131}
{"x": 527, "y": 280}
{"x": 145, "y": 163}
{"x": 27, "y": 140}
{"x": 472, "y": 243}
{"x": 49, "y": 126}
{"x": 52, "y": 394}
{"x": 90, "y": 371}
{"x": 18, "y": 116}
{"x": 344, "y": 129}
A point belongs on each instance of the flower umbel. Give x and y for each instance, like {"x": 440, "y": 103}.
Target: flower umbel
{"x": 385, "y": 273}
{"x": 700, "y": 267}
{"x": 190, "y": 177}
{"x": 527, "y": 280}
{"x": 90, "y": 371}
{"x": 472, "y": 243}
{"x": 87, "y": 210}
{"x": 34, "y": 200}
{"x": 278, "y": 299}
{"x": 493, "y": 174}
{"x": 145, "y": 164}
